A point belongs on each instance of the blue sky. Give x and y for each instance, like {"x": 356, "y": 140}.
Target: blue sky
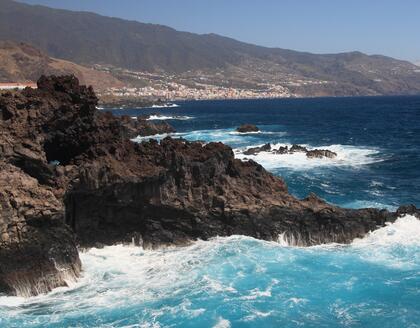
{"x": 389, "y": 27}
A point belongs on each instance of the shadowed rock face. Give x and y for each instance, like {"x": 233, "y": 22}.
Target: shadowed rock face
{"x": 37, "y": 250}
{"x": 69, "y": 171}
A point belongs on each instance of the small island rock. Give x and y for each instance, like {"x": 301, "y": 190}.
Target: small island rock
{"x": 245, "y": 128}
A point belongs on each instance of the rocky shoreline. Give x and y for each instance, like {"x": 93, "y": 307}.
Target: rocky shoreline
{"x": 71, "y": 177}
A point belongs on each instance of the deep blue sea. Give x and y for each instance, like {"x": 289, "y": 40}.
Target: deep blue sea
{"x": 242, "y": 282}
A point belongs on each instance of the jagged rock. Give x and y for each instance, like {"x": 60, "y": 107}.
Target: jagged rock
{"x": 140, "y": 126}
{"x": 245, "y": 128}
{"x": 298, "y": 148}
{"x": 37, "y": 250}
{"x": 256, "y": 150}
{"x": 282, "y": 150}
{"x": 320, "y": 153}
{"x": 62, "y": 160}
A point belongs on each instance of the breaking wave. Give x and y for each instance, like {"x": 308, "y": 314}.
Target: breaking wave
{"x": 404, "y": 231}
{"x": 203, "y": 284}
{"x": 164, "y": 106}
{"x": 227, "y": 136}
{"x": 167, "y": 117}
{"x": 346, "y": 156}
{"x": 157, "y": 137}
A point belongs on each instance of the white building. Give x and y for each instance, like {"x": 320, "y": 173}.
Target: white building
{"x": 17, "y": 85}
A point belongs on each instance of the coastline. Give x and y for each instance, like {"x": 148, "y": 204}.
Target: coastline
{"x": 179, "y": 102}
{"x": 104, "y": 189}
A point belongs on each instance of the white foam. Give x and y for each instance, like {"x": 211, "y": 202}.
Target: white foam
{"x": 222, "y": 323}
{"x": 157, "y": 136}
{"x": 257, "y": 314}
{"x": 346, "y": 156}
{"x": 369, "y": 204}
{"x": 164, "y": 106}
{"x": 404, "y": 231}
{"x": 258, "y": 293}
{"x": 119, "y": 274}
{"x": 216, "y": 286}
{"x": 250, "y": 132}
{"x": 279, "y": 133}
{"x": 297, "y": 300}
{"x": 167, "y": 117}
{"x": 11, "y": 301}
{"x": 227, "y": 136}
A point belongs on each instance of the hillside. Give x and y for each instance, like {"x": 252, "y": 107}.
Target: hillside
{"x": 89, "y": 39}
{"x": 21, "y": 62}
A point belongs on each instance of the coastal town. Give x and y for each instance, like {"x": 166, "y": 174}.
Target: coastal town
{"x": 176, "y": 91}
{"x": 200, "y": 85}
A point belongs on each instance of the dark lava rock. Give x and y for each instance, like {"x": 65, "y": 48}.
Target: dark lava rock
{"x": 320, "y": 153}
{"x": 256, "y": 150}
{"x": 69, "y": 171}
{"x": 247, "y": 128}
{"x": 282, "y": 150}
{"x": 140, "y": 126}
{"x": 298, "y": 148}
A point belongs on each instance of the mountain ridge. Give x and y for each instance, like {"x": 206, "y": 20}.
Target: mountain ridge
{"x": 89, "y": 39}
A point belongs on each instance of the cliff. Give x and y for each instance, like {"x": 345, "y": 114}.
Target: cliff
{"x": 70, "y": 175}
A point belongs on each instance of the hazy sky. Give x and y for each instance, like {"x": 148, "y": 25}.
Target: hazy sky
{"x": 389, "y": 27}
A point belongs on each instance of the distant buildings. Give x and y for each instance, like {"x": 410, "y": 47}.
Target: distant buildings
{"x": 191, "y": 85}
{"x": 177, "y": 91}
{"x": 17, "y": 85}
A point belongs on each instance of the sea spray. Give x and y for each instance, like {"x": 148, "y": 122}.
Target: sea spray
{"x": 199, "y": 284}
{"x": 346, "y": 156}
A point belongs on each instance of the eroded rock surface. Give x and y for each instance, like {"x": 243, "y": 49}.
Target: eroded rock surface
{"x": 37, "y": 250}
{"x": 69, "y": 171}
{"x": 321, "y": 153}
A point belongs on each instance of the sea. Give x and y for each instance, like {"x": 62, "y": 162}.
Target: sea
{"x": 239, "y": 281}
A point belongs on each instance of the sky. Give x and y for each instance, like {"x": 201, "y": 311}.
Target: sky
{"x": 388, "y": 27}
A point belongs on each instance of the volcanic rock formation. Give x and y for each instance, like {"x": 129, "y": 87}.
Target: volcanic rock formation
{"x": 70, "y": 172}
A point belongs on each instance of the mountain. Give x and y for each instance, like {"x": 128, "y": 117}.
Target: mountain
{"x": 21, "y": 62}
{"x": 89, "y": 39}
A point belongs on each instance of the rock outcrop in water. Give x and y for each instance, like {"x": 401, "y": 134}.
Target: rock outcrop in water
{"x": 256, "y": 150}
{"x": 246, "y": 128}
{"x": 282, "y": 150}
{"x": 71, "y": 172}
{"x": 140, "y": 126}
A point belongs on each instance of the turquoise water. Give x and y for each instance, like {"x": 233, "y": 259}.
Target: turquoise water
{"x": 242, "y": 282}
{"x": 239, "y": 282}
